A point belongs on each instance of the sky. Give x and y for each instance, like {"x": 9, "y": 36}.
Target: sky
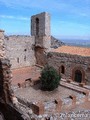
{"x": 69, "y": 18}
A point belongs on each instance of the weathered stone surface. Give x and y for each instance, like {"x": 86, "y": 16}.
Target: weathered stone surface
{"x": 44, "y": 24}
{"x": 38, "y": 108}
{"x": 58, "y": 105}
{"x": 5, "y": 81}
{"x": 20, "y": 51}
{"x": 71, "y": 63}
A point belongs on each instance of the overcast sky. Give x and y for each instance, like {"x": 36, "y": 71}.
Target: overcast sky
{"x": 69, "y": 18}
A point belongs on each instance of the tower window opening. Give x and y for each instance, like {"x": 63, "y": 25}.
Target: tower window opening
{"x": 24, "y": 58}
{"x": 17, "y": 60}
{"x": 37, "y": 26}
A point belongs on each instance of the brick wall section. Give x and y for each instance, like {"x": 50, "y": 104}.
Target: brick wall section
{"x": 38, "y": 108}
{"x": 71, "y": 63}
{"x": 20, "y": 51}
{"x": 73, "y": 97}
{"x": 86, "y": 93}
{"x": 58, "y": 105}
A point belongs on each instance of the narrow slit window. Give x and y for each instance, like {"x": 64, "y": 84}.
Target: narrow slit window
{"x": 24, "y": 58}
{"x": 37, "y": 26}
{"x": 17, "y": 60}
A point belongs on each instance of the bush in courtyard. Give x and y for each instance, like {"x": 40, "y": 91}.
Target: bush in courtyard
{"x": 49, "y": 78}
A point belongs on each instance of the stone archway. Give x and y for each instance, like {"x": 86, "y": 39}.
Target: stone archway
{"x": 62, "y": 69}
{"x": 78, "y": 75}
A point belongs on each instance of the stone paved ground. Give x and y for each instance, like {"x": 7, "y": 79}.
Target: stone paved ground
{"x": 20, "y": 75}
{"x": 33, "y": 94}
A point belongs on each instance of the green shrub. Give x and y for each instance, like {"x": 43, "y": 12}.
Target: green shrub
{"x": 49, "y": 78}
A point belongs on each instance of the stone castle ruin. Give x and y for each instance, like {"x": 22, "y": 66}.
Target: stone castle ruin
{"x": 17, "y": 52}
{"x": 30, "y": 50}
{"x": 26, "y": 51}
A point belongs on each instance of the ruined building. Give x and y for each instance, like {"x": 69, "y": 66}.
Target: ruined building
{"x": 72, "y": 63}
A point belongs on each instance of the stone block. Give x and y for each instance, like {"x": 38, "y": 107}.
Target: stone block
{"x": 27, "y": 83}
{"x": 58, "y": 105}
{"x": 38, "y": 108}
{"x": 81, "y": 84}
{"x": 86, "y": 93}
{"x": 69, "y": 80}
{"x": 21, "y": 85}
{"x": 73, "y": 97}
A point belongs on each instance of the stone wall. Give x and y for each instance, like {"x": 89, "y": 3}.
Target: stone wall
{"x": 5, "y": 81}
{"x": 43, "y": 24}
{"x": 2, "y": 47}
{"x": 20, "y": 51}
{"x": 70, "y": 63}
{"x": 5, "y": 73}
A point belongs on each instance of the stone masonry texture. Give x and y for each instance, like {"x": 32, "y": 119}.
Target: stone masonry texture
{"x": 71, "y": 63}
{"x": 20, "y": 50}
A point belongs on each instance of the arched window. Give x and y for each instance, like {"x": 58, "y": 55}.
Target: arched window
{"x": 62, "y": 69}
{"x": 37, "y": 26}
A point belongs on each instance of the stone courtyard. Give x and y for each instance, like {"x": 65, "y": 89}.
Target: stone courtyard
{"x": 32, "y": 94}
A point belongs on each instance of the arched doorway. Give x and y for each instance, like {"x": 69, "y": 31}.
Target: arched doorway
{"x": 78, "y": 76}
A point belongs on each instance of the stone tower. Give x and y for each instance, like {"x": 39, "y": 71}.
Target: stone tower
{"x": 40, "y": 28}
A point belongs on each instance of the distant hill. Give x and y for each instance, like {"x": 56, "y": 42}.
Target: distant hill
{"x": 55, "y": 43}
{"x": 77, "y": 42}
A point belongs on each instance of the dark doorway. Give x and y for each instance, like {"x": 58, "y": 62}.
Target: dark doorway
{"x": 62, "y": 69}
{"x": 78, "y": 76}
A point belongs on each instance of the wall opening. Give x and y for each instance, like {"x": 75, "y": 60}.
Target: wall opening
{"x": 62, "y": 69}
{"x": 24, "y": 58}
{"x": 25, "y": 50}
{"x": 78, "y": 76}
{"x": 37, "y": 26}
{"x": 17, "y": 60}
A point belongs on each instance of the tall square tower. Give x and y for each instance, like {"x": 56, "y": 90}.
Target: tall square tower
{"x": 40, "y": 24}
{"x": 40, "y": 29}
